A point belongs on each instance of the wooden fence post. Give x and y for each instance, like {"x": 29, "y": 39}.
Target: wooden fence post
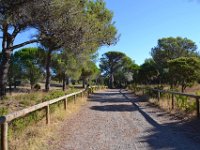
{"x": 172, "y": 101}
{"x": 4, "y": 136}
{"x": 47, "y": 115}
{"x": 197, "y": 104}
{"x": 65, "y": 103}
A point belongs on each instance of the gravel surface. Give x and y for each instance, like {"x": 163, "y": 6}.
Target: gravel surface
{"x": 118, "y": 120}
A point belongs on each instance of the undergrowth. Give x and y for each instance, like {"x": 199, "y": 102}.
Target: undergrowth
{"x": 18, "y": 102}
{"x": 17, "y": 126}
{"x": 182, "y": 104}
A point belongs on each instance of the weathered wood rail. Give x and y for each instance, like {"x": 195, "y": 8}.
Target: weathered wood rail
{"x": 5, "y": 120}
{"x": 173, "y": 93}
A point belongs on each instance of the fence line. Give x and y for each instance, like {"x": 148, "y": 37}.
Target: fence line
{"x": 4, "y": 120}
{"x": 173, "y": 93}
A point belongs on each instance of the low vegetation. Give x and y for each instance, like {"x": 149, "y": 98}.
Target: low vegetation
{"x": 36, "y": 136}
{"x": 20, "y": 101}
{"x": 183, "y": 106}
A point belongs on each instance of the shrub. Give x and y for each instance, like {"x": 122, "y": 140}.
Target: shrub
{"x": 3, "y": 111}
{"x": 183, "y": 103}
{"x": 37, "y": 87}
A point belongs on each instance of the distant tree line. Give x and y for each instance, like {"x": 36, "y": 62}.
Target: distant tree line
{"x": 69, "y": 34}
{"x": 28, "y": 64}
{"x": 175, "y": 62}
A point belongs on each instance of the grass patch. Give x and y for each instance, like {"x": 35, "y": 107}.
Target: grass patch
{"x": 20, "y": 127}
{"x": 183, "y": 106}
{"x": 34, "y": 134}
{"x": 18, "y": 102}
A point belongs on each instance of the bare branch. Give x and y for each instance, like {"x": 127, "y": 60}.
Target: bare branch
{"x": 25, "y": 43}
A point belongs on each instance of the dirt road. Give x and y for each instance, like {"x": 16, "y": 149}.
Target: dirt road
{"x": 118, "y": 120}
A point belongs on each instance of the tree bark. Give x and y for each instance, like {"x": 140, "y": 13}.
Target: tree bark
{"x": 4, "y": 67}
{"x": 48, "y": 74}
{"x": 67, "y": 80}
{"x": 111, "y": 81}
{"x": 84, "y": 83}
{"x": 10, "y": 88}
{"x": 183, "y": 87}
{"x": 64, "y": 82}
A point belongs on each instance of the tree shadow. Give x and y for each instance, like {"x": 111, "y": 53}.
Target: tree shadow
{"x": 114, "y": 108}
{"x": 108, "y": 97}
{"x": 176, "y": 135}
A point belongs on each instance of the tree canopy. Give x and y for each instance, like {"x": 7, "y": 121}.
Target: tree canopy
{"x": 117, "y": 67}
{"x": 71, "y": 26}
{"x": 184, "y": 71}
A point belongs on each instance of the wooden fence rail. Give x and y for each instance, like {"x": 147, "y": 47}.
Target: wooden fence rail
{"x": 4, "y": 120}
{"x": 173, "y": 93}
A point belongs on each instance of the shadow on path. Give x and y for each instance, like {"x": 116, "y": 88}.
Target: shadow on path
{"x": 114, "y": 108}
{"x": 176, "y": 135}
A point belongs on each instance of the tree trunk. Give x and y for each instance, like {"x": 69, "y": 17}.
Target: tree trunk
{"x": 64, "y": 82}
{"x": 67, "y": 82}
{"x": 84, "y": 83}
{"x": 183, "y": 87}
{"x": 111, "y": 81}
{"x": 4, "y": 67}
{"x": 48, "y": 74}
{"x": 15, "y": 84}
{"x": 10, "y": 88}
{"x": 31, "y": 87}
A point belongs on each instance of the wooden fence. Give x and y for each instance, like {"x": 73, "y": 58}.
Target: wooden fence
{"x": 5, "y": 120}
{"x": 172, "y": 93}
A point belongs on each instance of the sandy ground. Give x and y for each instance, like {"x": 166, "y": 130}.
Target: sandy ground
{"x": 118, "y": 120}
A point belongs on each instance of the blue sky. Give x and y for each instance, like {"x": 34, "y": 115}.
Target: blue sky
{"x": 142, "y": 22}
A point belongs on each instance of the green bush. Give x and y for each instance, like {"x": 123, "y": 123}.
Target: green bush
{"x": 37, "y": 87}
{"x": 183, "y": 103}
{"x": 3, "y": 111}
{"x": 53, "y": 94}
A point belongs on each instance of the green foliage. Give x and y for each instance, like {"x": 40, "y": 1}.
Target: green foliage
{"x": 171, "y": 48}
{"x": 185, "y": 70}
{"x": 3, "y": 111}
{"x": 28, "y": 62}
{"x": 118, "y": 67}
{"x": 79, "y": 27}
{"x": 184, "y": 104}
{"x": 37, "y": 87}
{"x": 90, "y": 71}
{"x": 56, "y": 94}
{"x": 168, "y": 49}
{"x": 148, "y": 72}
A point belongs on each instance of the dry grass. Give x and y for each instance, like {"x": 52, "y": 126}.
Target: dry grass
{"x": 36, "y": 136}
{"x": 20, "y": 101}
{"x": 182, "y": 112}
{"x": 183, "y": 107}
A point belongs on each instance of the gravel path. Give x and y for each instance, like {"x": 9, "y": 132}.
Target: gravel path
{"x": 118, "y": 120}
